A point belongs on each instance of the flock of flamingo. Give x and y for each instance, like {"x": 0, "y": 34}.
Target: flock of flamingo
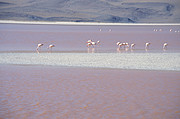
{"x": 49, "y": 47}
{"x": 91, "y": 43}
{"x": 125, "y": 45}
{"x": 120, "y": 45}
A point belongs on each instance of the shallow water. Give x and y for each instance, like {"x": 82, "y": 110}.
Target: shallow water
{"x": 87, "y": 83}
{"x": 25, "y": 37}
{"x": 49, "y": 92}
{"x": 146, "y": 61}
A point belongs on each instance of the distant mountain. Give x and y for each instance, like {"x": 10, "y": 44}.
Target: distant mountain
{"x": 113, "y": 11}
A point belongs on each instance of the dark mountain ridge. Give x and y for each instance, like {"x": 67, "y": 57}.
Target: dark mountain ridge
{"x": 113, "y": 11}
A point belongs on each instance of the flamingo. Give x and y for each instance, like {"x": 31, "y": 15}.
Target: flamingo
{"x": 127, "y": 45}
{"x": 89, "y": 43}
{"x": 124, "y": 44}
{"x": 132, "y": 46}
{"x": 51, "y": 46}
{"x": 155, "y": 30}
{"x": 147, "y": 45}
{"x": 119, "y": 44}
{"x": 165, "y": 46}
{"x": 95, "y": 43}
{"x": 92, "y": 43}
{"x": 39, "y": 46}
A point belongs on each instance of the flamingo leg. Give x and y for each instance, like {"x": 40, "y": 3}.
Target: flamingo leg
{"x": 37, "y": 49}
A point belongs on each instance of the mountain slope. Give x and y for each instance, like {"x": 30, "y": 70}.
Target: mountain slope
{"x": 116, "y": 11}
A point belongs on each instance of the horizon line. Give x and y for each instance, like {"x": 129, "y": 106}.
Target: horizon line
{"x": 81, "y": 23}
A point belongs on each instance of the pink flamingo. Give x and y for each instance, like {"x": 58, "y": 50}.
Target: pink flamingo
{"x": 51, "y": 46}
{"x": 95, "y": 43}
{"x": 132, "y": 46}
{"x": 127, "y": 45}
{"x": 165, "y": 46}
{"x": 119, "y": 44}
{"x": 124, "y": 44}
{"x": 147, "y": 45}
{"x": 39, "y": 46}
{"x": 92, "y": 43}
{"x": 89, "y": 43}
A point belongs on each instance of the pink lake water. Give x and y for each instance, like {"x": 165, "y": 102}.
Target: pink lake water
{"x": 21, "y": 37}
{"x": 76, "y": 82}
{"x": 87, "y": 93}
